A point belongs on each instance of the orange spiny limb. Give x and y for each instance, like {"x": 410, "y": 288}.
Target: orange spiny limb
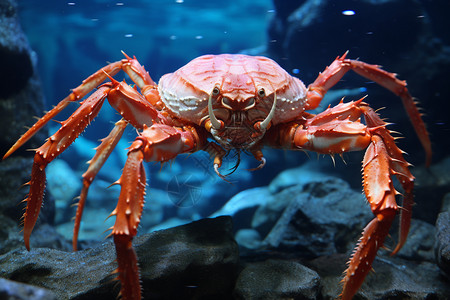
{"x": 382, "y": 160}
{"x": 55, "y": 145}
{"x": 103, "y": 152}
{"x": 35, "y": 197}
{"x": 398, "y": 87}
{"x": 399, "y": 167}
{"x": 128, "y": 213}
{"x": 128, "y": 271}
{"x": 361, "y": 261}
{"x": 39, "y": 124}
{"x": 136, "y": 72}
{"x": 77, "y": 93}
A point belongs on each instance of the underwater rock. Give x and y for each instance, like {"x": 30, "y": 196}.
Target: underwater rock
{"x": 20, "y": 100}
{"x": 243, "y": 205}
{"x": 14, "y": 172}
{"x": 20, "y": 96}
{"x": 322, "y": 218}
{"x": 248, "y": 238}
{"x": 276, "y": 279}
{"x": 431, "y": 186}
{"x": 442, "y": 246}
{"x": 12, "y": 290}
{"x": 393, "y": 278}
{"x": 64, "y": 185}
{"x": 306, "y": 173}
{"x": 198, "y": 260}
{"x": 420, "y": 243}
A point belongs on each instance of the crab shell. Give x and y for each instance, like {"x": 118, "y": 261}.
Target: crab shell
{"x": 239, "y": 78}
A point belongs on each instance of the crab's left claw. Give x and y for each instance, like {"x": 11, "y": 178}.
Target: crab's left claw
{"x": 383, "y": 159}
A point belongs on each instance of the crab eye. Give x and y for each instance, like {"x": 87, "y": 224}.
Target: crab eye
{"x": 226, "y": 102}
{"x": 261, "y": 93}
{"x": 250, "y": 103}
{"x": 215, "y": 91}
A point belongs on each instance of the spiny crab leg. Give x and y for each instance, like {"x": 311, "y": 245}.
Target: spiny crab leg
{"x": 78, "y": 93}
{"x": 383, "y": 159}
{"x": 338, "y": 130}
{"x": 130, "y": 66}
{"x": 342, "y": 65}
{"x": 55, "y": 145}
{"x": 156, "y": 143}
{"x": 103, "y": 152}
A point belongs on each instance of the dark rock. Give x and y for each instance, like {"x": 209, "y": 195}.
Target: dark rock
{"x": 322, "y": 218}
{"x": 442, "y": 247}
{"x": 394, "y": 278}
{"x": 420, "y": 243}
{"x": 431, "y": 186}
{"x": 193, "y": 261}
{"x": 21, "y": 100}
{"x": 277, "y": 279}
{"x": 15, "y": 58}
{"x": 14, "y": 172}
{"x": 12, "y": 290}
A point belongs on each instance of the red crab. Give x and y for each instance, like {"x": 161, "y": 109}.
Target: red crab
{"x": 240, "y": 102}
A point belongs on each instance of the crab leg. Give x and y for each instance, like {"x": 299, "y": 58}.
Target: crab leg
{"x": 337, "y": 130}
{"x": 129, "y": 65}
{"x": 78, "y": 93}
{"x": 55, "y": 145}
{"x": 156, "y": 143}
{"x": 95, "y": 164}
{"x": 342, "y": 65}
{"x": 382, "y": 160}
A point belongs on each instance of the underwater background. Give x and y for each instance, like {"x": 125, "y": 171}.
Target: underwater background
{"x": 70, "y": 40}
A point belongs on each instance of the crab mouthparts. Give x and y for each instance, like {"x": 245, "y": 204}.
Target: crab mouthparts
{"x": 262, "y": 126}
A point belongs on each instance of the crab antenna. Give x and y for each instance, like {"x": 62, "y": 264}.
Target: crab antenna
{"x": 264, "y": 124}
{"x": 216, "y": 124}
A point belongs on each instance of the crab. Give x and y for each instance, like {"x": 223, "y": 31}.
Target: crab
{"x": 218, "y": 103}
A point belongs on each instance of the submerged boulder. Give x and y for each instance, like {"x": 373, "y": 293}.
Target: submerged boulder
{"x": 21, "y": 99}
{"x": 198, "y": 260}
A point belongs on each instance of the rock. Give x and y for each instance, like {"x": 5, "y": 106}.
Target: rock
{"x": 198, "y": 260}
{"x": 20, "y": 97}
{"x": 276, "y": 279}
{"x": 442, "y": 246}
{"x": 20, "y": 100}
{"x": 419, "y": 245}
{"x": 394, "y": 278}
{"x": 243, "y": 205}
{"x": 248, "y": 238}
{"x": 431, "y": 186}
{"x": 322, "y": 218}
{"x": 11, "y": 290}
{"x": 306, "y": 173}
{"x": 64, "y": 185}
